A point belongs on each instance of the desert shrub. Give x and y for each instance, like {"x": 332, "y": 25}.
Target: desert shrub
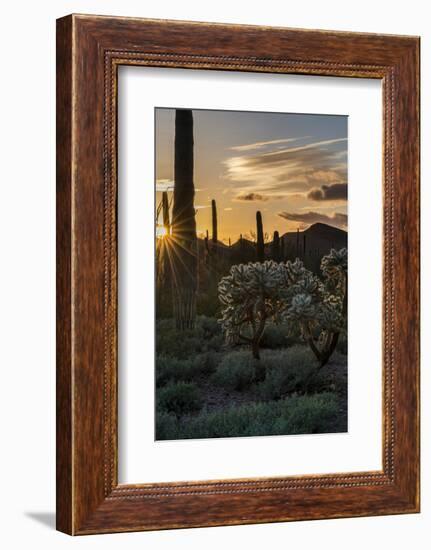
{"x": 286, "y": 371}
{"x": 206, "y": 336}
{"x": 166, "y": 425}
{"x": 209, "y": 331}
{"x": 236, "y": 371}
{"x": 308, "y": 414}
{"x": 342, "y": 344}
{"x": 170, "y": 369}
{"x": 180, "y": 398}
{"x": 295, "y": 415}
{"x": 209, "y": 326}
{"x": 331, "y": 378}
{"x": 277, "y": 336}
{"x": 181, "y": 346}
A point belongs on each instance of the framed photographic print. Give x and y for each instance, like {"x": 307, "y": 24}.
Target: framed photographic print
{"x": 237, "y": 274}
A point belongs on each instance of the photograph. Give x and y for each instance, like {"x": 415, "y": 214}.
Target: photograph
{"x": 251, "y": 273}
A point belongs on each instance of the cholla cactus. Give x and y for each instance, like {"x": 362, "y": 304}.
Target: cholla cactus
{"x": 320, "y": 308}
{"x": 251, "y": 295}
{"x": 255, "y": 293}
{"x": 335, "y": 263}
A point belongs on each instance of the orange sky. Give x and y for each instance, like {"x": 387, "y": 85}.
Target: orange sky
{"x": 291, "y": 167}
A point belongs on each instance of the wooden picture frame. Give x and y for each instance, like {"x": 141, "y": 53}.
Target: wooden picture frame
{"x": 89, "y": 51}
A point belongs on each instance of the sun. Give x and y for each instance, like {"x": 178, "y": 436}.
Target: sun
{"x": 161, "y": 231}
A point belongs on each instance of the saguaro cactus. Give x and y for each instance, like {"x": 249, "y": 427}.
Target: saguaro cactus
{"x": 260, "y": 248}
{"x": 166, "y": 220}
{"x": 214, "y": 220}
{"x": 166, "y": 268}
{"x": 184, "y": 239}
{"x": 276, "y": 247}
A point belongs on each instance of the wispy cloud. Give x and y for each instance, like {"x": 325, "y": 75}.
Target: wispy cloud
{"x": 333, "y": 192}
{"x": 254, "y": 197}
{"x": 337, "y": 219}
{"x": 164, "y": 185}
{"x": 314, "y": 145}
{"x": 263, "y": 144}
{"x": 228, "y": 209}
{"x": 291, "y": 169}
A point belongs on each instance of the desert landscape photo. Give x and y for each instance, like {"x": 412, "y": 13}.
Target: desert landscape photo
{"x": 251, "y": 273}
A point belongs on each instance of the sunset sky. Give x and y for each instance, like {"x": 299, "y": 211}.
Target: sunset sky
{"x": 291, "y": 167}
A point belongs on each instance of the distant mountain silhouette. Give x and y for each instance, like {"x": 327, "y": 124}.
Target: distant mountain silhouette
{"x": 326, "y": 231}
{"x": 309, "y": 246}
{"x": 318, "y": 235}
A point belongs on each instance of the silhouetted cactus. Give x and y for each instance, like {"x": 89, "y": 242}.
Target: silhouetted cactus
{"x": 184, "y": 239}
{"x": 297, "y": 242}
{"x": 207, "y": 248}
{"x": 214, "y": 219}
{"x": 320, "y": 307}
{"x": 260, "y": 246}
{"x": 165, "y": 243}
{"x": 254, "y": 294}
{"x": 276, "y": 252}
{"x": 250, "y": 297}
{"x": 166, "y": 220}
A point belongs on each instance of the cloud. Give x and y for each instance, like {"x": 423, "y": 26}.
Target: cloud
{"x": 286, "y": 152}
{"x": 262, "y": 144}
{"x": 333, "y": 192}
{"x": 164, "y": 185}
{"x": 201, "y": 206}
{"x": 228, "y": 209}
{"x": 337, "y": 219}
{"x": 251, "y": 197}
{"x": 168, "y": 185}
{"x": 289, "y": 169}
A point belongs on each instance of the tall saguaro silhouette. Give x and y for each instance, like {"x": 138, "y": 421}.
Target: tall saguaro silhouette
{"x": 260, "y": 245}
{"x": 165, "y": 284}
{"x": 165, "y": 205}
{"x": 214, "y": 221}
{"x": 276, "y": 255}
{"x": 184, "y": 239}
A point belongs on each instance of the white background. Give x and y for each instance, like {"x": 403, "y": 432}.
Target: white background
{"x": 141, "y": 458}
{"x": 27, "y": 123}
